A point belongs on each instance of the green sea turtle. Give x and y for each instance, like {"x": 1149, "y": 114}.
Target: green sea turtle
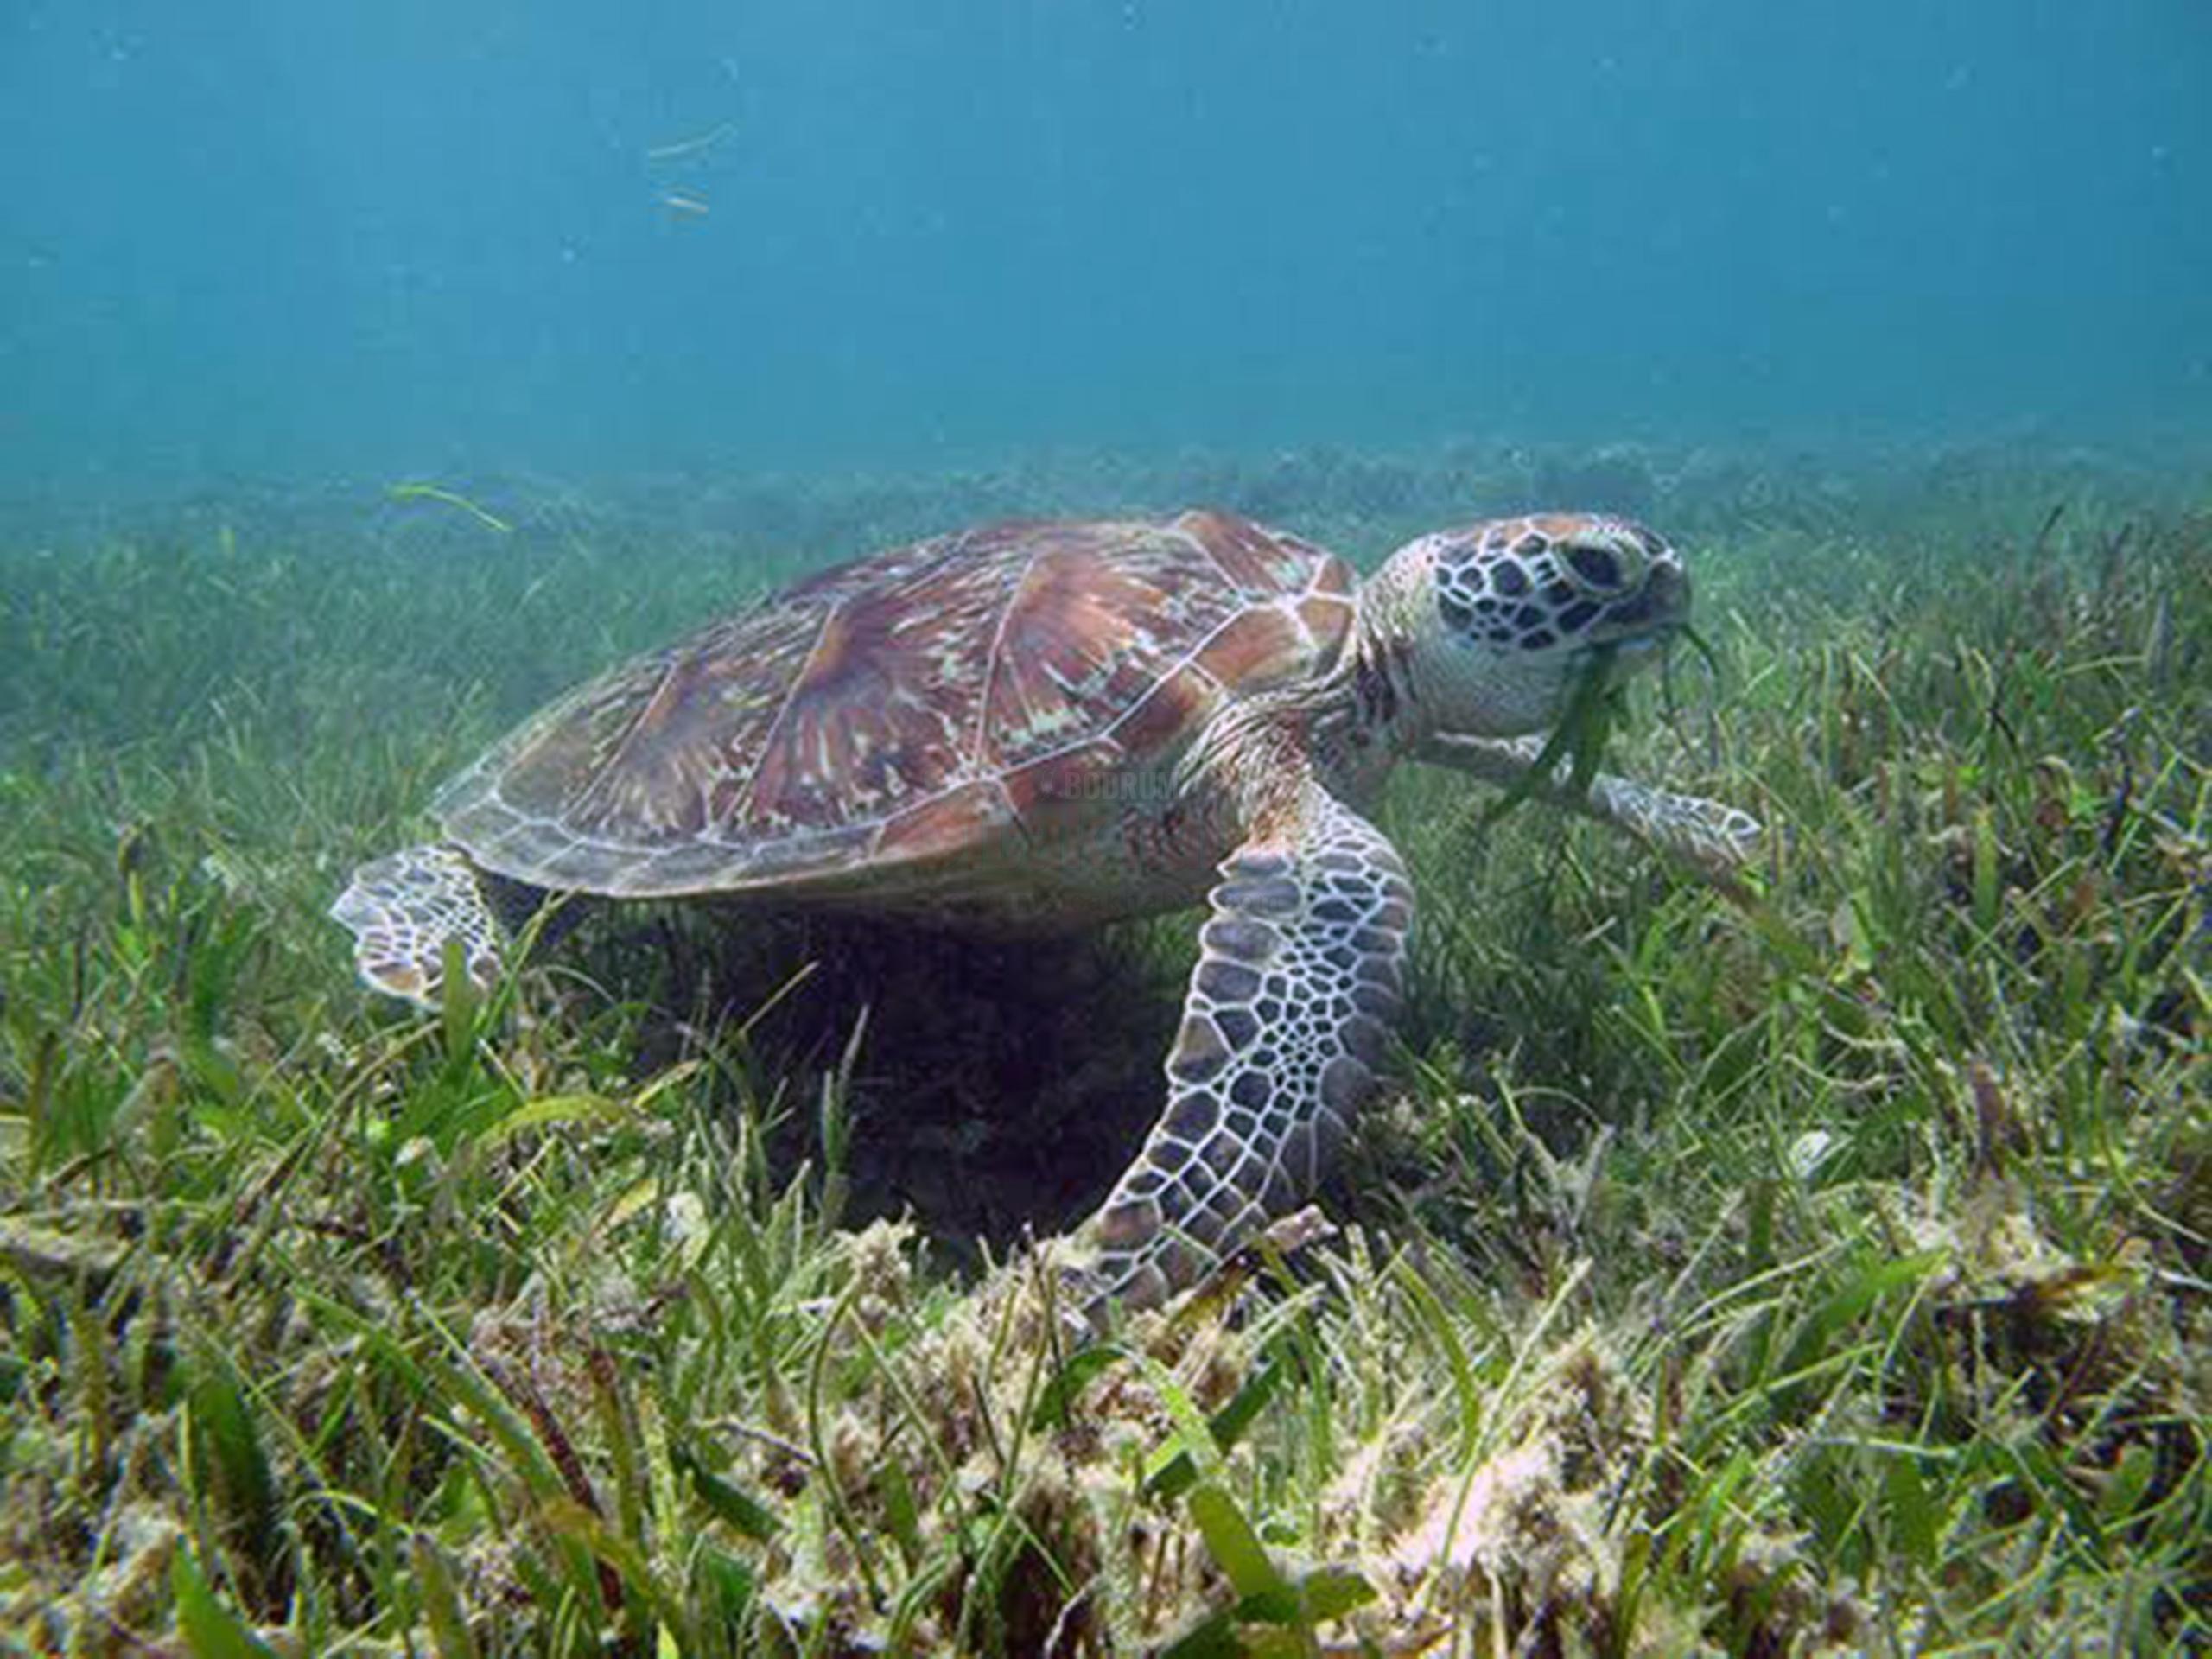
{"x": 1045, "y": 726}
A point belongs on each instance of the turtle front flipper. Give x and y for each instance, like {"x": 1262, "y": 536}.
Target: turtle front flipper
{"x": 1714, "y": 838}
{"x": 404, "y": 909}
{"x": 1286, "y": 1023}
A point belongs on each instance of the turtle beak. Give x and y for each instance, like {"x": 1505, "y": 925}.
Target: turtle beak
{"x": 1653, "y": 614}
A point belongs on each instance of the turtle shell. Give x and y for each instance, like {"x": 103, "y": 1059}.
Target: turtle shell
{"x": 953, "y": 698}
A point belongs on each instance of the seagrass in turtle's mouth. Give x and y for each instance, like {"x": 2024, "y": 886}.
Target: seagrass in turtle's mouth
{"x": 1593, "y": 700}
{"x": 1591, "y": 703}
{"x": 1596, "y": 700}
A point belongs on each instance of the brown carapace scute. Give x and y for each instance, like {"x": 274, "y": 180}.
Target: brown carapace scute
{"x": 1043, "y": 725}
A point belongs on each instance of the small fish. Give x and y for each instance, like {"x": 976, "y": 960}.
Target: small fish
{"x": 452, "y": 499}
{"x": 2158, "y": 647}
{"x": 690, "y": 146}
{"x": 676, "y": 202}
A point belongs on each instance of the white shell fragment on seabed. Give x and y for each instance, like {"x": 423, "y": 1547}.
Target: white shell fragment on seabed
{"x": 1809, "y": 1152}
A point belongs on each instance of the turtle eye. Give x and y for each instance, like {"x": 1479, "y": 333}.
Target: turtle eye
{"x": 1596, "y": 565}
{"x": 1604, "y": 566}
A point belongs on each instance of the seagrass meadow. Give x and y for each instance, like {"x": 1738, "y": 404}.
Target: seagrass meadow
{"x": 1816, "y": 1265}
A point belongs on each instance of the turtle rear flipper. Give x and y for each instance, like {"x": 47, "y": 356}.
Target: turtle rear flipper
{"x": 405, "y": 908}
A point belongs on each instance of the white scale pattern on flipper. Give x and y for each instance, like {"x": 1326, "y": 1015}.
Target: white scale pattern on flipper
{"x": 1287, "y": 1021}
{"x": 402, "y": 910}
{"x": 1712, "y": 836}
{"x": 1716, "y": 837}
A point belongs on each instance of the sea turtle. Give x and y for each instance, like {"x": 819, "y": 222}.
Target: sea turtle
{"x": 1044, "y": 726}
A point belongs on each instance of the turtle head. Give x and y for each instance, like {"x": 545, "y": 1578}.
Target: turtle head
{"x": 1499, "y": 618}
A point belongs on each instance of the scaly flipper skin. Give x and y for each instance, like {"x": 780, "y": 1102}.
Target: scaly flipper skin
{"x": 1287, "y": 1018}
{"x": 1714, "y": 837}
{"x": 404, "y": 908}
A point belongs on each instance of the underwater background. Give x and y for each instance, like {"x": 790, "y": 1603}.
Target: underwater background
{"x": 296, "y": 241}
{"x": 1812, "y": 1258}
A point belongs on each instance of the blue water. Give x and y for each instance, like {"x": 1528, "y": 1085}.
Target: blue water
{"x": 299, "y": 238}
